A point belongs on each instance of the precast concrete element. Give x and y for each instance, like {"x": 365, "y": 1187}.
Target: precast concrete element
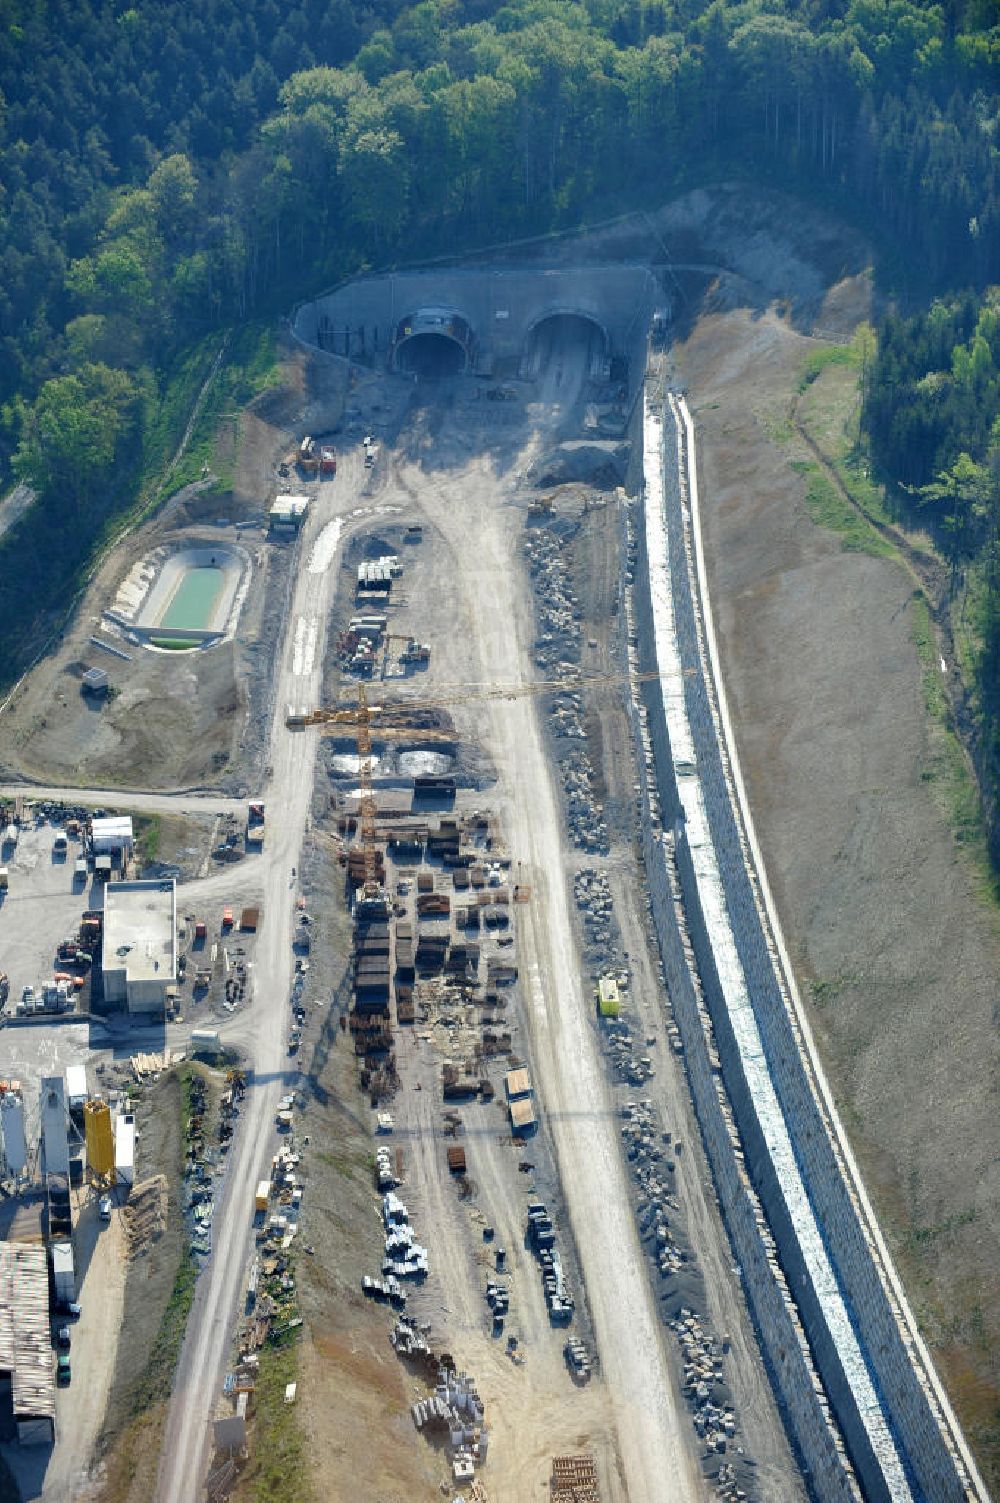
{"x": 667, "y": 755}
{"x": 420, "y": 320}
{"x": 903, "y": 1440}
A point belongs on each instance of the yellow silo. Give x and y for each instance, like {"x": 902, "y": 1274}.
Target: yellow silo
{"x": 100, "y": 1143}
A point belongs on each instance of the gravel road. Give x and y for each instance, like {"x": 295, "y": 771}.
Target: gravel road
{"x": 197, "y": 1384}
{"x": 657, "y": 1447}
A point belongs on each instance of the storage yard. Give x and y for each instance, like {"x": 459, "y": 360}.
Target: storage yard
{"x": 457, "y": 1054}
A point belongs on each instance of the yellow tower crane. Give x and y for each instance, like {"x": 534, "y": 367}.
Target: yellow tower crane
{"x": 395, "y": 718}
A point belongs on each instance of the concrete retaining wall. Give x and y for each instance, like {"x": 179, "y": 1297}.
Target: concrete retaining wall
{"x": 813, "y": 1432}
{"x": 501, "y": 305}
{"x": 931, "y": 1466}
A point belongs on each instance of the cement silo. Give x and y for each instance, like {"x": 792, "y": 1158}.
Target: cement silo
{"x": 15, "y": 1145}
{"x": 100, "y": 1140}
{"x": 55, "y": 1126}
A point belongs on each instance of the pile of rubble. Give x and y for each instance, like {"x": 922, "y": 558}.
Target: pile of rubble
{"x": 584, "y": 814}
{"x": 145, "y": 1214}
{"x": 651, "y": 1154}
{"x": 566, "y": 715}
{"x": 631, "y": 1067}
{"x": 592, "y": 895}
{"x": 557, "y": 644}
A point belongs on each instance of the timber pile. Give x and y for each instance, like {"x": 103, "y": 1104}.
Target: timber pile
{"x": 145, "y": 1214}
{"x": 574, "y": 1480}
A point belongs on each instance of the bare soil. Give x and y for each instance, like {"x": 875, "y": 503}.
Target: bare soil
{"x": 193, "y": 719}
{"x": 895, "y": 945}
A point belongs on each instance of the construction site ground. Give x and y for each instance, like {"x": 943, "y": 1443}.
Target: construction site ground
{"x": 882, "y": 912}
{"x": 465, "y": 591}
{"x": 891, "y": 934}
{"x": 177, "y": 720}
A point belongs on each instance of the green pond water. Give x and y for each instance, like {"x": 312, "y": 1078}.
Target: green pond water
{"x": 194, "y": 600}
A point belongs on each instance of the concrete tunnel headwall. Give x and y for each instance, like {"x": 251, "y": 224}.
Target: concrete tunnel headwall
{"x": 432, "y": 342}
{"x": 495, "y": 316}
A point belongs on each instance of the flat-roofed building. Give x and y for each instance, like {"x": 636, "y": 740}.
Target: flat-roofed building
{"x": 523, "y": 1118}
{"x": 517, "y": 1083}
{"x": 112, "y": 835}
{"x": 139, "y": 956}
{"x": 288, "y": 511}
{"x": 26, "y": 1341}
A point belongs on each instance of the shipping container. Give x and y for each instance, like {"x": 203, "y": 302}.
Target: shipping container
{"x": 125, "y": 1149}
{"x": 63, "y": 1272}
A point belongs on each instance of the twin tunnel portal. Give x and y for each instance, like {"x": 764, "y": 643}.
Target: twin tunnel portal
{"x": 426, "y": 347}
{"x": 439, "y": 324}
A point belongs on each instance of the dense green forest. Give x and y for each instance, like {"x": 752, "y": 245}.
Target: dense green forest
{"x": 168, "y": 170}
{"x": 932, "y": 413}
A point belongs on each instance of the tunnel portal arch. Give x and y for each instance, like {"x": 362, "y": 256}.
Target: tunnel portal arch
{"x": 547, "y": 326}
{"x": 433, "y": 342}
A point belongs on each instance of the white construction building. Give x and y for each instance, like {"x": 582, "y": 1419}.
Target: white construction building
{"x": 139, "y": 956}
{"x": 112, "y": 836}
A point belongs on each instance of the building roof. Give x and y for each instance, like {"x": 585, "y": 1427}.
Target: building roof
{"x": 140, "y": 928}
{"x": 289, "y": 506}
{"x": 95, "y": 678}
{"x": 522, "y": 1113}
{"x": 76, "y": 1081}
{"x": 518, "y": 1083}
{"x": 25, "y": 1336}
{"x": 117, "y": 828}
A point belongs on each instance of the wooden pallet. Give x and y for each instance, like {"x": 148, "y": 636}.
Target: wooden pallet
{"x": 574, "y": 1480}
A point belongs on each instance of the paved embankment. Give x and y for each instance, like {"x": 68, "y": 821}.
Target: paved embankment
{"x": 712, "y": 909}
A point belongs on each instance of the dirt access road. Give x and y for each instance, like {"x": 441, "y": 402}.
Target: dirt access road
{"x": 472, "y": 501}
{"x": 117, "y": 798}
{"x": 197, "y": 1384}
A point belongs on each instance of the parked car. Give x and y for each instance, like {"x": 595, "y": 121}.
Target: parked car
{"x": 104, "y": 1207}
{"x": 63, "y": 1338}
{"x": 64, "y": 1371}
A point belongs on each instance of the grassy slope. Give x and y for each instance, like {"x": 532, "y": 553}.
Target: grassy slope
{"x": 826, "y": 412}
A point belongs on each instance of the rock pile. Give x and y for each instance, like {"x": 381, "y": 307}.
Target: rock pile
{"x": 583, "y": 812}
{"x": 651, "y": 1155}
{"x": 557, "y": 645}
{"x": 592, "y": 895}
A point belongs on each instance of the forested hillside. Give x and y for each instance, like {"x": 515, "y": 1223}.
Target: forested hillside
{"x": 932, "y": 411}
{"x": 167, "y": 170}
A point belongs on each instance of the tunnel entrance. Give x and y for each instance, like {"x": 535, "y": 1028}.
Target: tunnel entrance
{"x": 563, "y": 336}
{"x": 430, "y": 354}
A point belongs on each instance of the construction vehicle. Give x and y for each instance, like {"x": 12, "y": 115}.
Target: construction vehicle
{"x": 327, "y": 463}
{"x": 255, "y": 823}
{"x": 308, "y": 457}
